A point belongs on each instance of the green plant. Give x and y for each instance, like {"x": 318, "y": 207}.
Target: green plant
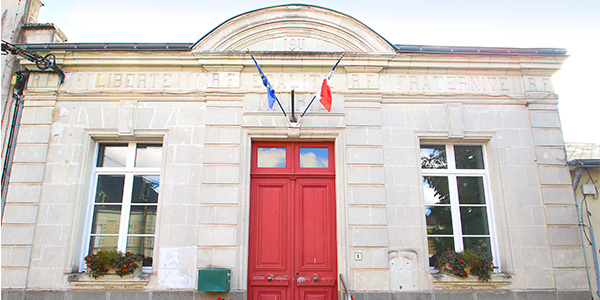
{"x": 457, "y": 263}
{"x": 99, "y": 263}
{"x": 481, "y": 264}
{"x": 451, "y": 262}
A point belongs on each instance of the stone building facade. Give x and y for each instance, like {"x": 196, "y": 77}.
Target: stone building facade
{"x": 190, "y": 125}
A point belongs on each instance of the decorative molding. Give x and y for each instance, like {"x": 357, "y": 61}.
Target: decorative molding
{"x": 294, "y": 28}
{"x": 127, "y": 117}
{"x": 454, "y": 117}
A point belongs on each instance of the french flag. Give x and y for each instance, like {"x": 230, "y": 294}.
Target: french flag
{"x": 326, "y": 98}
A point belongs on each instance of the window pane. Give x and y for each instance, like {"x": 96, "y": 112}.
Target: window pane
{"x": 112, "y": 155}
{"x": 271, "y": 158}
{"x": 439, "y": 219}
{"x": 433, "y": 157}
{"x": 106, "y": 219}
{"x": 142, "y": 245}
{"x": 470, "y": 190}
{"x": 148, "y": 156}
{"x": 98, "y": 243}
{"x": 437, "y": 244}
{"x": 468, "y": 157}
{"x": 145, "y": 189}
{"x": 110, "y": 189}
{"x": 474, "y": 220}
{"x": 142, "y": 219}
{"x": 478, "y": 243}
{"x": 314, "y": 158}
{"x": 435, "y": 190}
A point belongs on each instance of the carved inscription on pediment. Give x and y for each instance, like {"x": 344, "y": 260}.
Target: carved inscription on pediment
{"x": 295, "y": 44}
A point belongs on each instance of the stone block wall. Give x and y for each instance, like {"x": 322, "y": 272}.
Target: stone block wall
{"x": 559, "y": 204}
{"x": 204, "y": 207}
{"x": 221, "y": 207}
{"x": 367, "y": 222}
{"x": 20, "y": 230}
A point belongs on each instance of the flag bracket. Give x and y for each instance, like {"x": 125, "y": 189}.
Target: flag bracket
{"x": 324, "y": 91}
{"x": 293, "y": 116}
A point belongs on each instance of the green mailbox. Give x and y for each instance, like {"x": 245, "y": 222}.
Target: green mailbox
{"x": 214, "y": 280}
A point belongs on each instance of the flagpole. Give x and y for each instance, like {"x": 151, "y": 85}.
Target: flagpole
{"x": 311, "y": 101}
{"x": 331, "y": 73}
{"x": 283, "y": 111}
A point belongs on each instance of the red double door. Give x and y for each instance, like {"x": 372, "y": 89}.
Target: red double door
{"x": 292, "y": 247}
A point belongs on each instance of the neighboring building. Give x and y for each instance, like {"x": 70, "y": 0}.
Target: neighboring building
{"x": 171, "y": 150}
{"x": 584, "y": 160}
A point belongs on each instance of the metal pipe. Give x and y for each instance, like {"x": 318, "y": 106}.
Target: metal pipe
{"x": 42, "y": 62}
{"x": 595, "y": 256}
{"x": 348, "y": 296}
{"x": 576, "y": 180}
{"x": 22, "y": 78}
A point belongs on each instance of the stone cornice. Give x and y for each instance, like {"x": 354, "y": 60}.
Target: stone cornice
{"x": 292, "y": 62}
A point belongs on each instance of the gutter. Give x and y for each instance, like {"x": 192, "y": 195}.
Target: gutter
{"x": 400, "y": 48}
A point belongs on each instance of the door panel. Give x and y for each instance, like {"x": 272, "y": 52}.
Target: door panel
{"x": 315, "y": 294}
{"x": 271, "y": 209}
{"x": 315, "y": 231}
{"x": 270, "y": 237}
{"x": 270, "y": 294}
{"x": 292, "y": 246}
{"x": 315, "y": 242}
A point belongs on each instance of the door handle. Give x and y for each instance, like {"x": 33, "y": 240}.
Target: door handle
{"x": 270, "y": 278}
{"x": 316, "y": 278}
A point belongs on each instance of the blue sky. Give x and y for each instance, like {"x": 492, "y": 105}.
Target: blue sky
{"x": 570, "y": 24}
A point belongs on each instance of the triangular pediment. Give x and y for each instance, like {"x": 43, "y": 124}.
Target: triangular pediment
{"x": 293, "y": 28}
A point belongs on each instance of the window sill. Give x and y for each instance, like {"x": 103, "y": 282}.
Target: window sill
{"x": 446, "y": 281}
{"x": 109, "y": 281}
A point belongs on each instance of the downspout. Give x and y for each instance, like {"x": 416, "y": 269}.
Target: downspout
{"x": 595, "y": 256}
{"x": 41, "y": 62}
{"x": 22, "y": 79}
{"x": 576, "y": 180}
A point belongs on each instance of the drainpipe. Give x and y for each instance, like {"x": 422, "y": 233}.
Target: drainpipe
{"x": 580, "y": 166}
{"x": 42, "y": 63}
{"x": 22, "y": 78}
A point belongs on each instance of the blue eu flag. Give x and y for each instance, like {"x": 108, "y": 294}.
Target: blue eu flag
{"x": 270, "y": 91}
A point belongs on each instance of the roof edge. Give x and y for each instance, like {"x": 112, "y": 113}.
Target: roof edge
{"x": 107, "y": 46}
{"x": 425, "y": 49}
{"x": 400, "y": 48}
{"x": 585, "y": 163}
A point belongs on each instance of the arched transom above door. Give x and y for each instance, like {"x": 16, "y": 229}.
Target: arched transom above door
{"x": 294, "y": 28}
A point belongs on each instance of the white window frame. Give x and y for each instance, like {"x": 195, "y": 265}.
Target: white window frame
{"x": 129, "y": 171}
{"x": 452, "y": 173}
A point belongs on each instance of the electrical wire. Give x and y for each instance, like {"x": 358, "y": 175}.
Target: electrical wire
{"x": 587, "y": 212}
